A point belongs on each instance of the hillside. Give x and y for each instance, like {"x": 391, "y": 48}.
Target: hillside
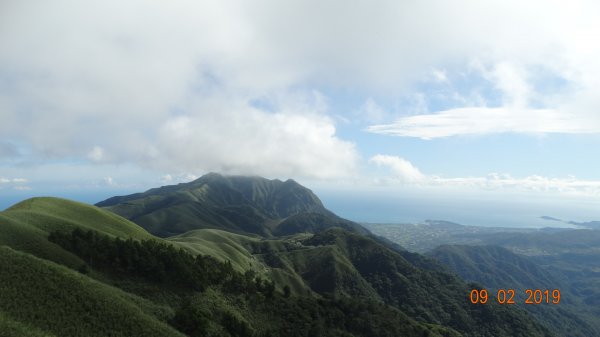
{"x": 38, "y": 295}
{"x": 310, "y": 273}
{"x": 25, "y": 226}
{"x": 494, "y": 266}
{"x": 498, "y": 268}
{"x": 196, "y": 295}
{"x": 54, "y": 213}
{"x": 428, "y": 294}
{"x": 245, "y": 205}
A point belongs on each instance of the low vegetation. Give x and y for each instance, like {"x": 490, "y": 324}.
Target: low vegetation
{"x": 70, "y": 269}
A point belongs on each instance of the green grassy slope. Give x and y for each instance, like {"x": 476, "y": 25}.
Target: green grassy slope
{"x": 57, "y": 300}
{"x": 28, "y": 238}
{"x": 248, "y": 253}
{"x": 50, "y": 214}
{"x": 220, "y": 244}
{"x": 25, "y": 226}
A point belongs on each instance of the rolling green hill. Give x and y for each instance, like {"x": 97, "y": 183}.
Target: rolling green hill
{"x": 25, "y": 226}
{"x": 222, "y": 245}
{"x": 245, "y": 205}
{"x": 54, "y": 213}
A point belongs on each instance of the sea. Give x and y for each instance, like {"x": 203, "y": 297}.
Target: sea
{"x": 491, "y": 211}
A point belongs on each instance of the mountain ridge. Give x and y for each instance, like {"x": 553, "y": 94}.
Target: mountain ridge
{"x": 311, "y": 273}
{"x": 246, "y": 205}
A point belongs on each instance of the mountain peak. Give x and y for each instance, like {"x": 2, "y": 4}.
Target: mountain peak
{"x": 243, "y": 204}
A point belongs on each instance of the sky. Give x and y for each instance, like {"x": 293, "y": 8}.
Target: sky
{"x": 462, "y": 101}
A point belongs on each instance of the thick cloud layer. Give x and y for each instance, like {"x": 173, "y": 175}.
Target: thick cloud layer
{"x": 188, "y": 86}
{"x": 163, "y": 85}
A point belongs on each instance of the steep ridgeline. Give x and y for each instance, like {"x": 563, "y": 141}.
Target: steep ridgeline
{"x": 496, "y": 268}
{"x": 246, "y": 205}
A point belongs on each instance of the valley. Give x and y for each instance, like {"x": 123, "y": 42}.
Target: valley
{"x": 520, "y": 259}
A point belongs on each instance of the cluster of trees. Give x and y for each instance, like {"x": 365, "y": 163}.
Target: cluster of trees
{"x": 40, "y": 298}
{"x": 158, "y": 262}
{"x": 267, "y": 312}
{"x": 300, "y": 316}
{"x": 213, "y": 299}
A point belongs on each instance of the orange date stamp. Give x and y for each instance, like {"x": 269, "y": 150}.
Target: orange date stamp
{"x": 507, "y": 296}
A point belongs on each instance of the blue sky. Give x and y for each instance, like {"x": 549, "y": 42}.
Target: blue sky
{"x": 495, "y": 100}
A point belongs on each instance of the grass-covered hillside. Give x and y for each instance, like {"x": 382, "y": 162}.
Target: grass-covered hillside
{"x": 55, "y": 213}
{"x": 25, "y": 226}
{"x": 41, "y": 296}
{"x": 71, "y": 269}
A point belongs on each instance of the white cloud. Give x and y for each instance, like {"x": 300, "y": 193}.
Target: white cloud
{"x": 481, "y": 120}
{"x": 167, "y": 179}
{"x": 109, "y": 181}
{"x": 514, "y": 115}
{"x": 163, "y": 85}
{"x": 13, "y": 180}
{"x": 189, "y": 177}
{"x": 246, "y": 140}
{"x": 400, "y": 167}
{"x": 96, "y": 154}
{"x": 533, "y": 183}
{"x": 403, "y": 172}
{"x": 14, "y": 183}
{"x": 439, "y": 75}
{"x": 169, "y": 85}
{"x": 512, "y": 82}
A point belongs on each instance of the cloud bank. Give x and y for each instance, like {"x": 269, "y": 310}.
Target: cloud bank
{"x": 237, "y": 86}
{"x": 166, "y": 86}
{"x": 404, "y": 173}
{"x": 482, "y": 121}
{"x": 17, "y": 184}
